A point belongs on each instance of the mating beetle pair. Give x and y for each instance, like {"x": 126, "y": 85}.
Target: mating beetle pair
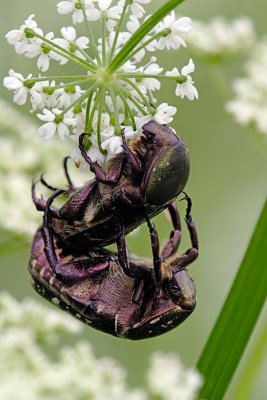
{"x": 124, "y": 297}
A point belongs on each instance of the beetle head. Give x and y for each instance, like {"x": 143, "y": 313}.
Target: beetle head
{"x": 167, "y": 164}
{"x": 175, "y": 305}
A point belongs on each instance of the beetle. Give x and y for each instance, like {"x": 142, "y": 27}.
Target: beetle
{"x": 136, "y": 184}
{"x": 124, "y": 300}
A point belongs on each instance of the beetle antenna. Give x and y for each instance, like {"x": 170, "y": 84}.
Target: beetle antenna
{"x": 43, "y": 181}
{"x": 65, "y": 165}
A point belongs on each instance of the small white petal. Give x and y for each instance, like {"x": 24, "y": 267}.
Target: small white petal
{"x": 47, "y": 131}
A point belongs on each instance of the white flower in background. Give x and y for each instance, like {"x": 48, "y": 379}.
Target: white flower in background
{"x": 249, "y": 104}
{"x": 169, "y": 380}
{"x": 20, "y": 163}
{"x": 220, "y": 38}
{"x": 37, "y": 365}
{"x": 124, "y": 90}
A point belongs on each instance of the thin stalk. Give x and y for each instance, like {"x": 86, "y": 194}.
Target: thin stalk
{"x": 143, "y": 45}
{"x": 87, "y": 113}
{"x": 137, "y": 105}
{"x": 118, "y": 28}
{"x": 91, "y": 35}
{"x": 78, "y": 101}
{"x": 136, "y": 88}
{"x": 238, "y": 317}
{"x": 88, "y": 58}
{"x": 55, "y": 78}
{"x": 104, "y": 34}
{"x": 115, "y": 106}
{"x": 143, "y": 75}
{"x": 74, "y": 83}
{"x": 122, "y": 55}
{"x": 126, "y": 105}
{"x": 64, "y": 53}
{"x": 100, "y": 109}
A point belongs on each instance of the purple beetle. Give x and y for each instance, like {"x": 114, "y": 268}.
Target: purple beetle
{"x": 136, "y": 185}
{"x": 135, "y": 299}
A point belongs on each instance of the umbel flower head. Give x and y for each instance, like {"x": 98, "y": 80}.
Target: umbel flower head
{"x": 118, "y": 73}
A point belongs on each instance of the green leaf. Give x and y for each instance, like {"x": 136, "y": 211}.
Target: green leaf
{"x": 141, "y": 33}
{"x": 238, "y": 317}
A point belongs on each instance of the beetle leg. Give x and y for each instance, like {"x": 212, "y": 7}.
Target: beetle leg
{"x": 156, "y": 257}
{"x": 76, "y": 269}
{"x": 40, "y": 203}
{"x": 175, "y": 236}
{"x": 130, "y": 269}
{"x": 112, "y": 176}
{"x": 131, "y": 158}
{"x": 191, "y": 254}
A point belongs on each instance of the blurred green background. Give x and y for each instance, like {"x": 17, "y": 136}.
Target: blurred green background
{"x": 227, "y": 185}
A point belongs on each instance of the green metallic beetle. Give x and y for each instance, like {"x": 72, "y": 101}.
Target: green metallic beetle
{"x": 135, "y": 185}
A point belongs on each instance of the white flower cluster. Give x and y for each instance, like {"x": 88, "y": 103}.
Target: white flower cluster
{"x": 250, "y": 102}
{"x": 220, "y": 38}
{"x": 168, "y": 379}
{"x": 35, "y": 365}
{"x": 19, "y": 163}
{"x": 107, "y": 95}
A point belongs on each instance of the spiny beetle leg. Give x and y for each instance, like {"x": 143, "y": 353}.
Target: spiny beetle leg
{"x": 112, "y": 176}
{"x": 130, "y": 269}
{"x": 40, "y": 203}
{"x": 191, "y": 254}
{"x": 76, "y": 269}
{"x": 131, "y": 158}
{"x": 155, "y": 253}
{"x": 175, "y": 236}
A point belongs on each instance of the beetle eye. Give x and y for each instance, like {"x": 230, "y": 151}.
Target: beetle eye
{"x": 174, "y": 292}
{"x": 151, "y": 138}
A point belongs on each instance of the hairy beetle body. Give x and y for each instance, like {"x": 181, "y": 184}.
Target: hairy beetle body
{"x": 136, "y": 184}
{"x": 111, "y": 301}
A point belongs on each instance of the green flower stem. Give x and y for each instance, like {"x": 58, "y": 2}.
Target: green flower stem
{"x": 137, "y": 105}
{"x": 104, "y": 38}
{"x": 127, "y": 108}
{"x": 78, "y": 101}
{"x": 100, "y": 110}
{"x": 143, "y": 45}
{"x": 74, "y": 83}
{"x": 136, "y": 88}
{"x": 87, "y": 113}
{"x": 91, "y": 35}
{"x": 55, "y": 78}
{"x": 254, "y": 361}
{"x": 141, "y": 32}
{"x": 143, "y": 75}
{"x": 238, "y": 317}
{"x": 118, "y": 29}
{"x": 65, "y": 53}
{"x": 88, "y": 58}
{"x": 116, "y": 112}
{"x": 91, "y": 117}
